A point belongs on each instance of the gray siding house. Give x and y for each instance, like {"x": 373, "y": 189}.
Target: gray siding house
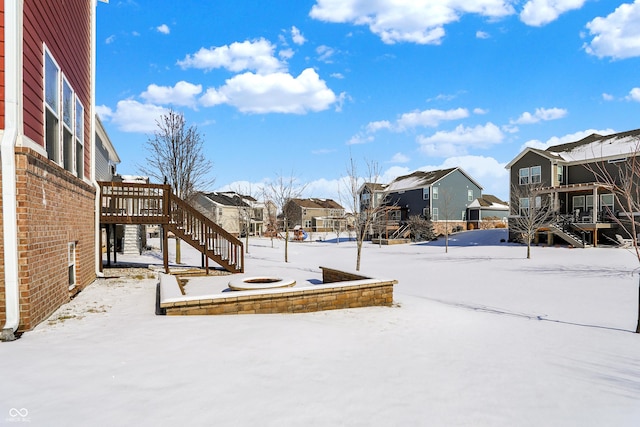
{"x": 584, "y": 209}
{"x": 442, "y": 195}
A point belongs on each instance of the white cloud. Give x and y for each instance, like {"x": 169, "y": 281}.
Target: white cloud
{"x": 297, "y": 36}
{"x": 480, "y": 111}
{"x": 255, "y": 55}
{"x": 325, "y": 53}
{"x": 359, "y": 139}
{"x": 482, "y": 35}
{"x": 104, "y": 112}
{"x": 286, "y": 53}
{"x": 110, "y": 39}
{"x": 399, "y": 158}
{"x": 607, "y": 97}
{"x": 273, "y": 93}
{"x": 414, "y": 119}
{"x": 541, "y": 114}
{"x": 429, "y": 118}
{"x": 540, "y": 12}
{"x": 132, "y": 116}
{"x": 557, "y": 140}
{"x": 634, "y": 94}
{"x": 337, "y": 75}
{"x": 417, "y": 21}
{"x": 617, "y": 35}
{"x": 164, "y": 29}
{"x": 376, "y": 126}
{"x": 458, "y": 141}
{"x": 183, "y": 93}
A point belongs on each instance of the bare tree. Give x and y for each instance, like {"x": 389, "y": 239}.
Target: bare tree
{"x": 532, "y": 211}
{"x": 175, "y": 156}
{"x": 421, "y": 228}
{"x": 280, "y": 193}
{"x": 446, "y": 211}
{"x": 365, "y": 213}
{"x": 623, "y": 180}
{"x": 246, "y": 210}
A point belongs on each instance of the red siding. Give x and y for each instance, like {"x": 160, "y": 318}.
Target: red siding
{"x": 65, "y": 27}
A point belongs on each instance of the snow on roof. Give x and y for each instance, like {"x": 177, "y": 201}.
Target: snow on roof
{"x": 597, "y": 147}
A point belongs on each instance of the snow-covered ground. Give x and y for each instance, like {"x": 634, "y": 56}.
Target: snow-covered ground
{"x": 478, "y": 336}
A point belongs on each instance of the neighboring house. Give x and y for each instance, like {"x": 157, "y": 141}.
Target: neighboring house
{"x": 232, "y": 211}
{"x": 485, "y": 211}
{"x": 564, "y": 174}
{"x": 48, "y": 232}
{"x": 372, "y": 195}
{"x": 442, "y": 195}
{"x": 106, "y": 157}
{"x": 316, "y": 215}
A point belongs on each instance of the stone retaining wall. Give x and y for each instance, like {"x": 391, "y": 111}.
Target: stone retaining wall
{"x": 353, "y": 290}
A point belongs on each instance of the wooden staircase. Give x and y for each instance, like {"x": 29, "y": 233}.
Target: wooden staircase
{"x": 135, "y": 203}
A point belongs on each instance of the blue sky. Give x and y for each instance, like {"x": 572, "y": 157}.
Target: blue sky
{"x": 298, "y": 87}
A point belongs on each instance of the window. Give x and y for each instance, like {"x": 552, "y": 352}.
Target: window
{"x": 538, "y": 201}
{"x": 470, "y": 195}
{"x": 64, "y": 119}
{"x": 434, "y": 216}
{"x": 435, "y": 193}
{"x": 589, "y": 202}
{"x": 524, "y": 176}
{"x": 72, "y": 265}
{"x": 560, "y": 170}
{"x": 67, "y": 126}
{"x": 79, "y": 131}
{"x": 606, "y": 200}
{"x": 307, "y": 223}
{"x": 52, "y": 107}
{"x": 463, "y": 215}
{"x": 425, "y": 193}
{"x": 536, "y": 174}
{"x": 578, "y": 202}
{"x": 425, "y": 212}
{"x": 524, "y": 206}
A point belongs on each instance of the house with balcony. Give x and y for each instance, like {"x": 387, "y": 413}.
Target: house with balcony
{"x": 585, "y": 210}
{"x": 234, "y": 212}
{"x": 442, "y": 195}
{"x": 316, "y": 215}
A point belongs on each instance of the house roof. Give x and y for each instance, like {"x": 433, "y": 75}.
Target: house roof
{"x": 317, "y": 203}
{"x": 489, "y": 201}
{"x": 592, "y": 147}
{"x": 373, "y": 187}
{"x": 421, "y": 179}
{"x": 226, "y": 199}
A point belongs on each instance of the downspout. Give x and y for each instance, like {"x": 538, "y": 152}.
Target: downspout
{"x": 13, "y": 126}
{"x": 92, "y": 126}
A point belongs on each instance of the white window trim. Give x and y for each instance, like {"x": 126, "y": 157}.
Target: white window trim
{"x": 425, "y": 193}
{"x": 470, "y": 195}
{"x": 435, "y": 193}
{"x": 523, "y": 179}
{"x": 434, "y": 214}
{"x": 72, "y": 265}
{"x": 46, "y": 54}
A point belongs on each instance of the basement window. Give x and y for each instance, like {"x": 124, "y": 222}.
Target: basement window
{"x": 72, "y": 265}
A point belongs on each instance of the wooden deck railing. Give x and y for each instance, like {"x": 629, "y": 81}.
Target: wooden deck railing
{"x": 133, "y": 203}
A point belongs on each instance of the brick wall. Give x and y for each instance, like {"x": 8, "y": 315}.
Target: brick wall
{"x": 54, "y": 209}
{"x": 351, "y": 293}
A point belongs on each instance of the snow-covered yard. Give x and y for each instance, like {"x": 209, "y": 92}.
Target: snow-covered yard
{"x": 478, "y": 336}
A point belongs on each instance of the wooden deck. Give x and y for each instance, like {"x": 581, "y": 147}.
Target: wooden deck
{"x": 156, "y": 204}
